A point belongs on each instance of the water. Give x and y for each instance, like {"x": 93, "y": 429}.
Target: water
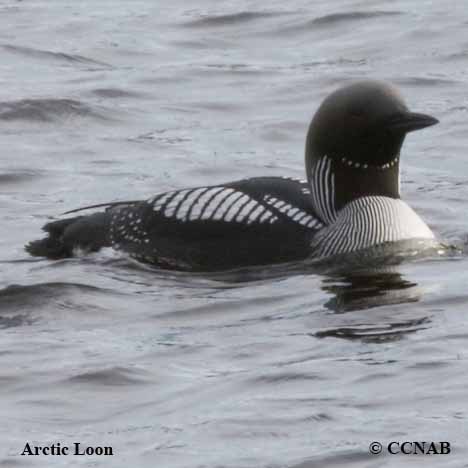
{"x": 115, "y": 100}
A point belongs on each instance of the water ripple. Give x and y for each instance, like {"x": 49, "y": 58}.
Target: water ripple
{"x": 48, "y": 55}
{"x": 346, "y": 17}
{"x": 18, "y": 296}
{"x": 333, "y": 20}
{"x": 418, "y": 81}
{"x": 113, "y": 376}
{"x": 378, "y": 333}
{"x": 284, "y": 377}
{"x": 47, "y": 110}
{"x": 115, "y": 93}
{"x": 18, "y": 177}
{"x": 230, "y": 19}
{"x": 345, "y": 458}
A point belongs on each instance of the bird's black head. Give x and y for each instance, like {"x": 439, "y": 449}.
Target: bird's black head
{"x": 358, "y": 131}
{"x": 364, "y": 125}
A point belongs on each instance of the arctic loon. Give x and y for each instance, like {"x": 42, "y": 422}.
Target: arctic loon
{"x": 350, "y": 201}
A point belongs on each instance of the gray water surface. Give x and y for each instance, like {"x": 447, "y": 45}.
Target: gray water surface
{"x": 114, "y": 100}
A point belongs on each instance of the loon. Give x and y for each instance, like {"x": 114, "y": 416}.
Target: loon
{"x": 349, "y": 202}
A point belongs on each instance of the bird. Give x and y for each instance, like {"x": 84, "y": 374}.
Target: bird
{"x": 349, "y": 202}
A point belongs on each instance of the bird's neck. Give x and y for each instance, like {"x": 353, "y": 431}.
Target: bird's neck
{"x": 335, "y": 182}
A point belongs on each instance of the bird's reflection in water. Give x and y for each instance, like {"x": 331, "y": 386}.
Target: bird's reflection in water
{"x": 364, "y": 290}
{"x": 359, "y": 292}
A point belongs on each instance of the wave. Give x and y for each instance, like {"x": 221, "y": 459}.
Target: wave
{"x": 112, "y": 376}
{"x": 336, "y": 18}
{"x": 49, "y": 55}
{"x": 47, "y": 110}
{"x": 423, "y": 81}
{"x": 18, "y": 177}
{"x": 20, "y": 296}
{"x": 114, "y": 93}
{"x": 230, "y": 19}
{"x": 345, "y": 458}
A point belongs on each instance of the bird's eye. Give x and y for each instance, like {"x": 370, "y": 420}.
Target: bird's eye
{"x": 356, "y": 113}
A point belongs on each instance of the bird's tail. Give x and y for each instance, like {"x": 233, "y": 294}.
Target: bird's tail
{"x": 89, "y": 233}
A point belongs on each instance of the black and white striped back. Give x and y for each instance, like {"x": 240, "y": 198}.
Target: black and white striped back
{"x": 251, "y": 221}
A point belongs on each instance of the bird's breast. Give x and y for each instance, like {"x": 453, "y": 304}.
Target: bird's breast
{"x": 367, "y": 222}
